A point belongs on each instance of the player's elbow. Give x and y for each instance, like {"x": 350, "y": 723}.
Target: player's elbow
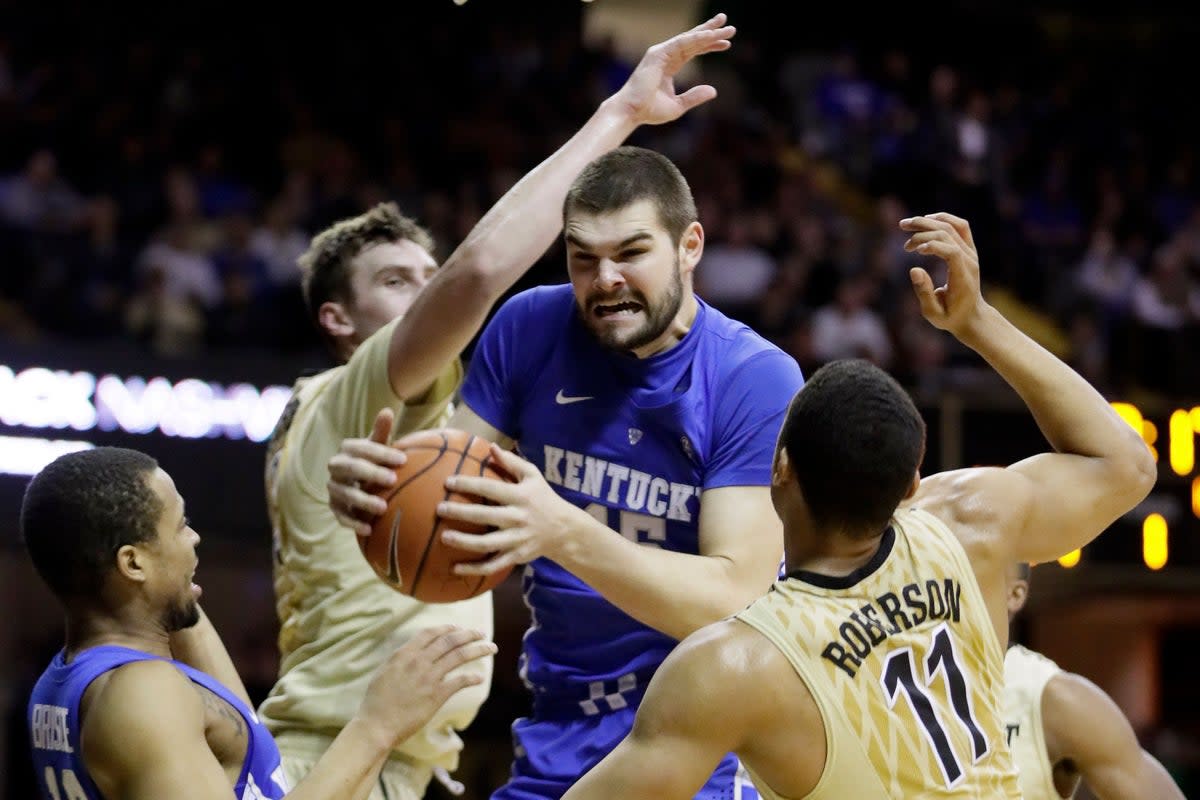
{"x": 479, "y": 270}
{"x": 1135, "y": 470}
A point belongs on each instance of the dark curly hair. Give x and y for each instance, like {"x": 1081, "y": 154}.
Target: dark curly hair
{"x": 81, "y": 509}
{"x": 855, "y": 440}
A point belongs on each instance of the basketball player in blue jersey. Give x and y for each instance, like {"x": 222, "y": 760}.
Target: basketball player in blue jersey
{"x": 648, "y": 419}
{"x": 144, "y": 701}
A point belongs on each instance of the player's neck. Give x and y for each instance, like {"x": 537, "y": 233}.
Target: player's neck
{"x": 679, "y": 327}
{"x": 92, "y": 629}
{"x": 833, "y": 554}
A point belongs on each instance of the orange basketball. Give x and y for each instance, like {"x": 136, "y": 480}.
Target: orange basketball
{"x": 405, "y": 546}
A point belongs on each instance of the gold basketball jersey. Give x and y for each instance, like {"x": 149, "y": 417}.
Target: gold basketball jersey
{"x": 905, "y": 666}
{"x": 338, "y": 620}
{"x": 1026, "y": 674}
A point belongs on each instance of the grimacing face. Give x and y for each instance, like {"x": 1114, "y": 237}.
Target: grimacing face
{"x": 174, "y": 558}
{"x": 626, "y": 274}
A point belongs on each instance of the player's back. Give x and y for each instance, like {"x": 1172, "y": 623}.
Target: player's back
{"x": 905, "y": 667}
{"x": 1026, "y": 674}
{"x": 55, "y": 727}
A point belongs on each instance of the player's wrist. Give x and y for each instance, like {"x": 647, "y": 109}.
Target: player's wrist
{"x": 618, "y": 113}
{"x": 979, "y": 327}
{"x": 577, "y": 527}
{"x": 375, "y": 735}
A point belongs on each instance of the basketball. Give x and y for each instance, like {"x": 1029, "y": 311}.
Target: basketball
{"x": 405, "y": 545}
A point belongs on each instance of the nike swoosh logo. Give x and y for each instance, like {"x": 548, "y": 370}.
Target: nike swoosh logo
{"x": 566, "y": 400}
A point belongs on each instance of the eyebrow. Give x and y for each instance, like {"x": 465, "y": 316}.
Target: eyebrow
{"x": 580, "y": 243}
{"x": 404, "y": 268}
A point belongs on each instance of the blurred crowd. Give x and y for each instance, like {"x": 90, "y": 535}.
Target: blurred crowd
{"x": 161, "y": 191}
{"x": 157, "y": 183}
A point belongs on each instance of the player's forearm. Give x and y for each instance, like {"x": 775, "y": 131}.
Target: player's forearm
{"x": 1072, "y": 415}
{"x": 201, "y": 647}
{"x": 676, "y": 593}
{"x": 1143, "y": 779}
{"x": 349, "y": 767}
{"x": 512, "y": 235}
{"x": 1158, "y": 782}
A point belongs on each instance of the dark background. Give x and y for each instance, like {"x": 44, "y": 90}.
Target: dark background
{"x": 441, "y": 107}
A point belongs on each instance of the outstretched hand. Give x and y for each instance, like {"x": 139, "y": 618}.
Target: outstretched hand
{"x": 420, "y": 676}
{"x": 954, "y": 305}
{"x": 649, "y": 93}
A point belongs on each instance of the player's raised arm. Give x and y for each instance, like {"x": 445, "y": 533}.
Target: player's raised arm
{"x": 524, "y": 222}
{"x": 201, "y": 647}
{"x": 1055, "y": 502}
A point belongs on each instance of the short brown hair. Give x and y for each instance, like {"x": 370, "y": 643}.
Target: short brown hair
{"x": 628, "y": 174}
{"x": 325, "y": 266}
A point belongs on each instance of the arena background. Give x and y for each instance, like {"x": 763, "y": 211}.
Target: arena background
{"x": 145, "y": 149}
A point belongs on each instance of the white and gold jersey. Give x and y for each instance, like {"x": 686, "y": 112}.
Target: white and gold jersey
{"x": 1026, "y": 674}
{"x": 904, "y": 664}
{"x": 338, "y": 620}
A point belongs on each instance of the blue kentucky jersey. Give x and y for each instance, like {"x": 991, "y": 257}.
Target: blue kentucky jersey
{"x": 54, "y": 727}
{"x": 634, "y": 442}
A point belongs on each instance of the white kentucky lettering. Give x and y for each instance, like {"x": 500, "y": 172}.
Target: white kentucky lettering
{"x": 618, "y": 474}
{"x": 553, "y": 456}
{"x": 617, "y": 485}
{"x": 571, "y": 476}
{"x": 656, "y": 502}
{"x": 677, "y": 508}
{"x": 593, "y": 476}
{"x": 635, "y": 496}
{"x": 50, "y": 728}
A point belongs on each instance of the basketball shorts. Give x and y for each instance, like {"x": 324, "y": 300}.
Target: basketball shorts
{"x": 551, "y": 754}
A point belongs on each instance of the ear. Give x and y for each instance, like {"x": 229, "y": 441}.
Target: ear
{"x": 131, "y": 563}
{"x": 781, "y": 469}
{"x": 1018, "y": 593}
{"x": 335, "y": 320}
{"x": 912, "y": 487}
{"x": 691, "y": 247}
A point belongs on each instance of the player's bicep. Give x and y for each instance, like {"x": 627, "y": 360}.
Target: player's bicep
{"x": 202, "y": 648}
{"x": 1085, "y": 726}
{"x": 144, "y": 737}
{"x": 444, "y": 317}
{"x": 739, "y": 525}
{"x": 1066, "y": 501}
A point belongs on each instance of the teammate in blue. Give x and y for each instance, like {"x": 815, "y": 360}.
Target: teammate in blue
{"x": 643, "y": 512}
{"x": 144, "y": 701}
